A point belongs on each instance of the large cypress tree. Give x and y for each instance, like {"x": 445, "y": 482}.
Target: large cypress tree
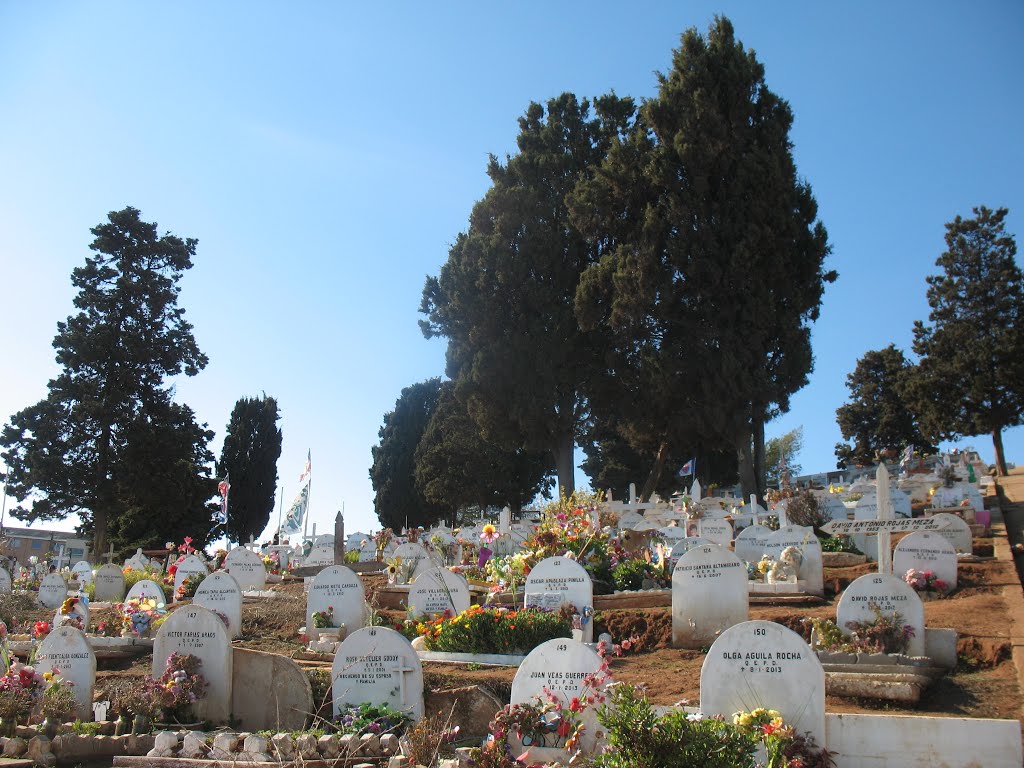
{"x": 67, "y": 452}
{"x": 504, "y": 298}
{"x": 712, "y": 266}
{"x": 252, "y": 446}
{"x": 970, "y": 376}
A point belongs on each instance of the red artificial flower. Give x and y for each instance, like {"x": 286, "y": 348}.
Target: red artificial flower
{"x": 41, "y": 629}
{"x": 575, "y": 705}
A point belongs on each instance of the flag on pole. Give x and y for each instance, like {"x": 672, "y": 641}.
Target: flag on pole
{"x": 307, "y": 468}
{"x": 688, "y": 468}
{"x": 296, "y": 513}
{"x": 908, "y": 456}
{"x": 224, "y": 488}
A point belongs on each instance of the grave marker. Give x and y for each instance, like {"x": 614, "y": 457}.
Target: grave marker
{"x": 956, "y": 531}
{"x": 321, "y": 554}
{"x": 339, "y": 588}
{"x": 716, "y": 531}
{"x": 377, "y": 665}
{"x": 136, "y": 562}
{"x": 190, "y": 566}
{"x": 247, "y": 567}
{"x": 555, "y": 581}
{"x": 221, "y": 594}
{"x": 764, "y": 664}
{"x": 436, "y": 591}
{"x": 810, "y": 548}
{"x": 109, "y": 584}
{"x": 890, "y": 595}
{"x": 52, "y": 590}
{"x": 147, "y": 588}
{"x": 198, "y": 631}
{"x": 413, "y": 553}
{"x": 6, "y": 585}
{"x": 709, "y": 594}
{"x": 926, "y": 552}
{"x": 82, "y": 572}
{"x": 751, "y": 542}
{"x": 67, "y": 650}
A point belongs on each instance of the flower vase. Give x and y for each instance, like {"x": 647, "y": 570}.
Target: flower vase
{"x": 123, "y": 726}
{"x": 328, "y": 634}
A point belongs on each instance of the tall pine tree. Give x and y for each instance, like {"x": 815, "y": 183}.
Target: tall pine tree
{"x": 66, "y": 453}
{"x": 252, "y": 446}
{"x": 970, "y": 376}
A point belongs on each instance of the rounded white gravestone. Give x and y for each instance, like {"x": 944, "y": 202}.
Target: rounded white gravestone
{"x": 672, "y": 534}
{"x": 52, "y": 590}
{"x": 6, "y": 584}
{"x": 413, "y": 553}
{"x": 810, "y": 572}
{"x": 866, "y": 507}
{"x": 442, "y": 543}
{"x": 901, "y": 505}
{"x": 436, "y": 591}
{"x": 629, "y": 520}
{"x": 248, "y": 569}
{"x": 190, "y": 566}
{"x": 324, "y": 540}
{"x": 681, "y": 547}
{"x": 82, "y": 572}
{"x": 221, "y": 594}
{"x": 709, "y": 594}
{"x": 137, "y": 562}
{"x": 147, "y": 588}
{"x": 923, "y": 551}
{"x": 764, "y": 664}
{"x": 957, "y": 532}
{"x": 67, "y": 650}
{"x": 377, "y": 665}
{"x": 560, "y": 666}
{"x": 716, "y": 531}
{"x": 108, "y": 584}
{"x": 200, "y": 632}
{"x": 832, "y": 505}
{"x": 339, "y": 588}
{"x": 751, "y": 542}
{"x": 555, "y": 581}
{"x": 321, "y": 554}
{"x": 890, "y": 595}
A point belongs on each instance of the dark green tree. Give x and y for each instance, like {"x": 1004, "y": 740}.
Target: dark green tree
{"x": 712, "y": 266}
{"x": 397, "y": 501}
{"x": 878, "y": 416}
{"x": 970, "y": 375}
{"x": 504, "y": 297}
{"x": 64, "y": 453}
{"x": 252, "y": 446}
{"x": 456, "y": 467}
{"x": 163, "y": 481}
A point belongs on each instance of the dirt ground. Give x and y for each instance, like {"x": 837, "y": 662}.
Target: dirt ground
{"x": 983, "y": 685}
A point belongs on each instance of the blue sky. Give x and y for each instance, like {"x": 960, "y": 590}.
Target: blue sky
{"x": 326, "y": 155}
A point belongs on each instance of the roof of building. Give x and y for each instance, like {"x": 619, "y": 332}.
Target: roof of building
{"x": 40, "y": 533}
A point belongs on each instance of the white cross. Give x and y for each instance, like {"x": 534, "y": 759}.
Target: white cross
{"x": 110, "y": 554}
{"x": 402, "y": 671}
{"x": 884, "y": 501}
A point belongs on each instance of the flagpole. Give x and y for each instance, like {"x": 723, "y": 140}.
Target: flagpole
{"x": 309, "y": 488}
{"x": 280, "y": 510}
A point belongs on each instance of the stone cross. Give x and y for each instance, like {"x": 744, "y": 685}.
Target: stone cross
{"x": 251, "y": 543}
{"x": 884, "y": 501}
{"x": 505, "y": 520}
{"x": 401, "y": 670}
{"x": 110, "y": 554}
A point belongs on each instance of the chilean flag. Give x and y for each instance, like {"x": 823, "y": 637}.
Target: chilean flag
{"x": 688, "y": 468}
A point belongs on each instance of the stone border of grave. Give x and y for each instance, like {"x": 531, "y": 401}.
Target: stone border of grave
{"x": 483, "y": 659}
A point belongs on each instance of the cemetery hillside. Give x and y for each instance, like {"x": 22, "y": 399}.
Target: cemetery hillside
{"x": 591, "y": 543}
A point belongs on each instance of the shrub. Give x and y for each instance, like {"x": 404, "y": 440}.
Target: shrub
{"x": 494, "y": 630}
{"x": 630, "y": 574}
{"x": 803, "y": 509}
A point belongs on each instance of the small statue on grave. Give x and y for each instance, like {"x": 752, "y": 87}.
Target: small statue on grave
{"x": 786, "y": 568}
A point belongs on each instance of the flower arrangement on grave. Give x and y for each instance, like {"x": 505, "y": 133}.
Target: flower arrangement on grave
{"x": 926, "y": 582}
{"x": 783, "y": 747}
{"x": 272, "y": 563}
{"x": 18, "y": 691}
{"x": 377, "y": 719}
{"x": 68, "y": 613}
{"x": 180, "y": 686}
{"x": 449, "y": 551}
{"x": 381, "y": 539}
{"x": 140, "y": 615}
{"x": 57, "y": 701}
{"x": 630, "y": 574}
{"x": 885, "y": 633}
{"x": 491, "y": 630}
{"x": 187, "y": 588}
{"x": 40, "y": 630}
{"x": 149, "y": 573}
{"x": 399, "y": 570}
{"x": 509, "y": 572}
{"x": 106, "y": 628}
{"x": 324, "y": 619}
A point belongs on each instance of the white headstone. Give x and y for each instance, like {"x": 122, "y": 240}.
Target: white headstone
{"x": 629, "y": 520}
{"x": 890, "y": 595}
{"x": 716, "y": 531}
{"x": 672, "y": 534}
{"x": 436, "y": 591}
{"x": 696, "y": 490}
{"x": 504, "y": 545}
{"x": 198, "y": 631}
{"x": 109, "y": 584}
{"x": 52, "y": 590}
{"x": 6, "y": 585}
{"x": 417, "y": 555}
{"x": 833, "y": 506}
{"x": 866, "y": 507}
{"x": 751, "y": 542}
{"x": 377, "y": 665}
{"x": 82, "y": 572}
{"x": 957, "y": 532}
{"x": 923, "y": 551}
{"x": 339, "y": 588}
{"x": 682, "y": 546}
{"x": 146, "y": 588}
{"x": 137, "y": 562}
{"x": 709, "y": 594}
{"x": 321, "y": 554}
{"x": 248, "y": 569}
{"x": 555, "y": 581}
{"x": 810, "y": 572}
{"x": 504, "y": 520}
{"x": 67, "y": 650}
{"x": 764, "y": 664}
{"x": 79, "y": 612}
{"x": 221, "y": 593}
{"x": 190, "y": 566}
